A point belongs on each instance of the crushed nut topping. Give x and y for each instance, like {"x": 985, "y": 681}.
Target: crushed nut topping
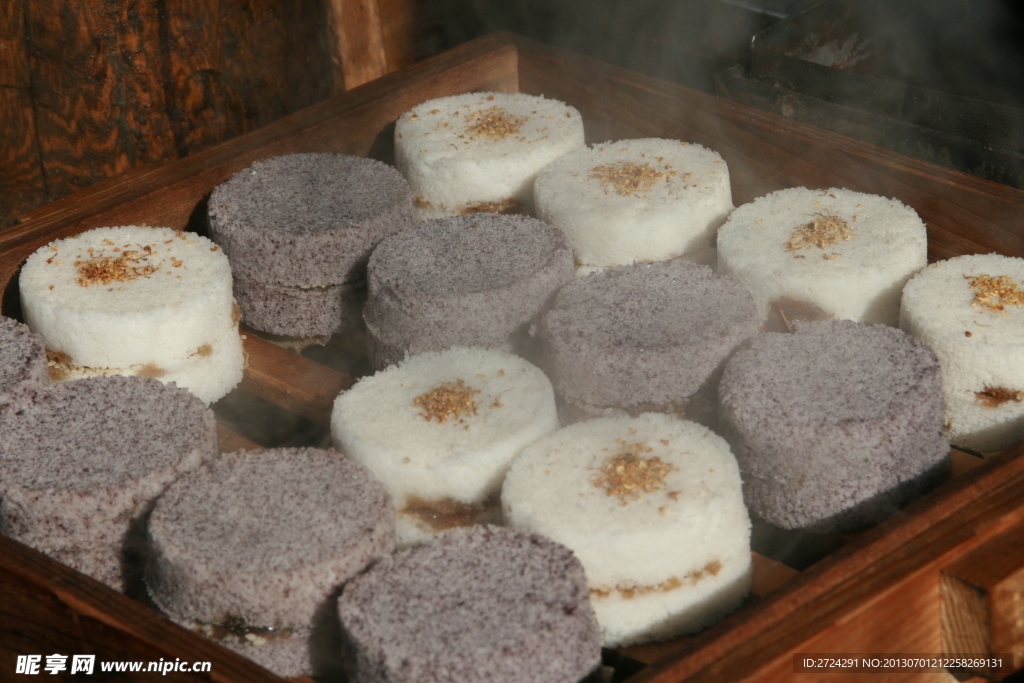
{"x": 628, "y": 177}
{"x": 103, "y": 270}
{"x": 995, "y": 293}
{"x": 494, "y": 123}
{"x": 823, "y": 231}
{"x": 629, "y": 475}
{"x": 993, "y": 397}
{"x": 451, "y": 399}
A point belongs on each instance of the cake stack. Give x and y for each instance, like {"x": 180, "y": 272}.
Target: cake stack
{"x": 299, "y": 229}
{"x": 81, "y": 465}
{"x": 136, "y": 300}
{"x": 251, "y": 550}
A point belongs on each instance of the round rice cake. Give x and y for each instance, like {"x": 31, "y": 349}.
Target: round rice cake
{"x": 835, "y": 426}
{"x": 819, "y": 254}
{"x": 653, "y": 508}
{"x": 646, "y": 337}
{"x": 968, "y": 309}
{"x": 481, "y": 151}
{"x": 636, "y": 200}
{"x": 80, "y": 467}
{"x": 440, "y": 429}
{"x": 307, "y": 220}
{"x": 475, "y": 280}
{"x": 124, "y": 296}
{"x": 23, "y": 365}
{"x": 251, "y": 548}
{"x": 482, "y": 604}
{"x": 301, "y": 311}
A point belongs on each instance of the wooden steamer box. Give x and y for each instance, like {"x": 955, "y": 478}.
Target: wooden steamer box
{"x": 944, "y": 576}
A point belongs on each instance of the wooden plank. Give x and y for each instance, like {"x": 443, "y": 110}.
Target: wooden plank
{"x": 47, "y": 608}
{"x": 359, "y": 42}
{"x": 291, "y": 381}
{"x": 22, "y": 184}
{"x": 96, "y": 85}
{"x": 982, "y": 600}
{"x": 228, "y": 440}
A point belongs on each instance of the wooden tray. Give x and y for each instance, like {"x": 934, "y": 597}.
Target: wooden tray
{"x": 879, "y": 593}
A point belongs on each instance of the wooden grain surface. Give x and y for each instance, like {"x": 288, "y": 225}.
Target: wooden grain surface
{"x": 880, "y": 590}
{"x": 90, "y": 89}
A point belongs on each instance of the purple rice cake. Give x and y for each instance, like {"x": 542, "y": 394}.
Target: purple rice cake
{"x": 481, "y": 604}
{"x": 250, "y": 549}
{"x": 302, "y": 222}
{"x": 471, "y": 280}
{"x": 650, "y": 337}
{"x": 835, "y": 426}
{"x": 23, "y": 365}
{"x": 80, "y": 467}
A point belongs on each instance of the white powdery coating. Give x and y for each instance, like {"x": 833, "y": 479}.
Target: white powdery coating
{"x": 977, "y": 348}
{"x": 209, "y": 373}
{"x": 450, "y": 169}
{"x": 678, "y": 214}
{"x": 158, "y": 319}
{"x": 694, "y": 530}
{"x": 462, "y": 459}
{"x": 265, "y": 536}
{"x": 864, "y": 280}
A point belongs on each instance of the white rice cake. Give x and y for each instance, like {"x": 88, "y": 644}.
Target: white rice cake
{"x": 481, "y": 151}
{"x": 440, "y": 429}
{"x": 636, "y": 200}
{"x": 833, "y": 253}
{"x": 653, "y": 508}
{"x": 209, "y": 373}
{"x": 117, "y": 297}
{"x": 970, "y": 311}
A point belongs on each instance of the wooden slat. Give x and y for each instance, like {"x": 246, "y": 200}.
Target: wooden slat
{"x": 982, "y": 600}
{"x": 359, "y": 47}
{"x": 22, "y": 185}
{"x": 291, "y": 381}
{"x": 47, "y": 608}
{"x": 228, "y": 440}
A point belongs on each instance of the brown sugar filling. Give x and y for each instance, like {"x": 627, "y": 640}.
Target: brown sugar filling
{"x": 784, "y": 313}
{"x": 443, "y": 514}
{"x": 231, "y": 625}
{"x": 993, "y": 397}
{"x": 710, "y": 569}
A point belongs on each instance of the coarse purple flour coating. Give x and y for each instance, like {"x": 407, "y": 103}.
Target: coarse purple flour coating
{"x": 81, "y": 465}
{"x": 23, "y": 366}
{"x": 250, "y": 548}
{"x": 470, "y": 280}
{"x": 835, "y": 426}
{"x": 308, "y": 219}
{"x": 485, "y": 603}
{"x": 649, "y": 336}
{"x": 301, "y": 311}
